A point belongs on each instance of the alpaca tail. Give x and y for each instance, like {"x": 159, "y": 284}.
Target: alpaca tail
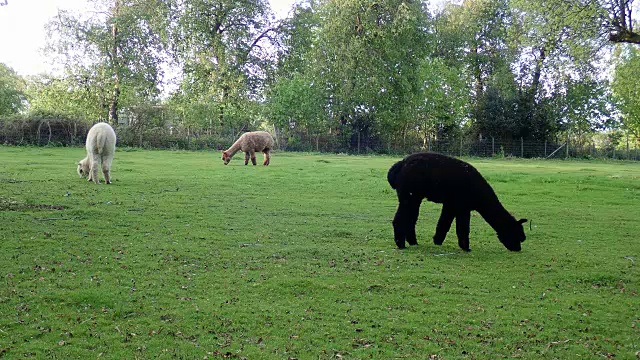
{"x": 392, "y": 175}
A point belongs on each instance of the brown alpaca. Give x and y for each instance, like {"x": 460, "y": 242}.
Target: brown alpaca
{"x": 249, "y": 143}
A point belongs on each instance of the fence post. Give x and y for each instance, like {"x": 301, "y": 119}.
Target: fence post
{"x": 39, "y": 126}
{"x": 521, "y": 147}
{"x": 275, "y": 135}
{"x": 51, "y": 134}
{"x": 545, "y": 148}
{"x": 358, "y": 141}
{"x": 567, "y": 149}
{"x": 21, "y": 131}
{"x": 627, "y": 145}
{"x": 493, "y": 146}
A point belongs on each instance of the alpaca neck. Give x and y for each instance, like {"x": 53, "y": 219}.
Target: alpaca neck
{"x": 234, "y": 148}
{"x": 496, "y": 216}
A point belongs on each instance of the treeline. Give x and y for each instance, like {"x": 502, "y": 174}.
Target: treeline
{"x": 388, "y": 73}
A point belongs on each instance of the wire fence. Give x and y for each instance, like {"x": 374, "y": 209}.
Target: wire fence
{"x": 57, "y": 132}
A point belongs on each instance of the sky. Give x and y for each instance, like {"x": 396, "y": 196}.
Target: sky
{"x": 23, "y": 35}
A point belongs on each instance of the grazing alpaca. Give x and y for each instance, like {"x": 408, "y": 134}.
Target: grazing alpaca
{"x": 249, "y": 143}
{"x": 101, "y": 146}
{"x": 456, "y": 185}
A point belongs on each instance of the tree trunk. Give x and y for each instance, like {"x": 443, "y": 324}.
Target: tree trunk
{"x": 535, "y": 86}
{"x": 624, "y": 36}
{"x": 536, "y": 75}
{"x": 622, "y": 24}
{"x": 113, "y": 106}
{"x": 221, "y": 108}
{"x": 221, "y": 116}
{"x": 478, "y": 82}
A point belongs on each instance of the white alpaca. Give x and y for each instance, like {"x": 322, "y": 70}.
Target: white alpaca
{"x": 101, "y": 146}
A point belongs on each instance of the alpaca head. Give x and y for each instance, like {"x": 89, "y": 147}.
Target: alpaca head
{"x": 83, "y": 167}
{"x": 225, "y": 157}
{"x": 513, "y": 235}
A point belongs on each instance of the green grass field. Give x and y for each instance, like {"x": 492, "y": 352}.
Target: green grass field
{"x": 183, "y": 257}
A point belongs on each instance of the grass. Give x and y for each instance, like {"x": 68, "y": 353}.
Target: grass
{"x": 183, "y": 257}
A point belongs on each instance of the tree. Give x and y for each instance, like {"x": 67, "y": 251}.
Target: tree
{"x": 117, "y": 45}
{"x": 296, "y": 105}
{"x": 76, "y": 96}
{"x": 366, "y": 58}
{"x": 297, "y": 36}
{"x": 626, "y": 88}
{"x": 516, "y": 51}
{"x": 222, "y": 48}
{"x": 620, "y": 21}
{"x": 12, "y": 98}
{"x": 480, "y": 32}
{"x": 613, "y": 20}
{"x": 443, "y": 100}
{"x": 583, "y": 106}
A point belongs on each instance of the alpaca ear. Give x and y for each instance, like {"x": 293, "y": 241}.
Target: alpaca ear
{"x": 522, "y": 221}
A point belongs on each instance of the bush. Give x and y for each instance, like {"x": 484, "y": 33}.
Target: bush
{"x": 41, "y": 130}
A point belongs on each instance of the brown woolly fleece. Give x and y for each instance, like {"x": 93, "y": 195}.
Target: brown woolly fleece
{"x": 250, "y": 143}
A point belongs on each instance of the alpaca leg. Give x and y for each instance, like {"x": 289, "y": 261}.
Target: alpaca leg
{"x": 462, "y": 229}
{"x": 404, "y": 222}
{"x": 267, "y": 157}
{"x": 93, "y": 171}
{"x": 444, "y": 224}
{"x": 106, "y": 169}
{"x": 246, "y": 158}
{"x": 412, "y": 218}
{"x": 253, "y": 157}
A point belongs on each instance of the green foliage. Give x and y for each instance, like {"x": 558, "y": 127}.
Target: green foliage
{"x": 478, "y": 29}
{"x": 74, "y": 96}
{"x": 443, "y": 100}
{"x": 566, "y": 30}
{"x": 12, "y": 99}
{"x": 116, "y": 48}
{"x": 295, "y": 103}
{"x": 364, "y": 59}
{"x": 392, "y": 73}
{"x": 184, "y": 257}
{"x": 520, "y": 57}
{"x": 584, "y": 107}
{"x": 369, "y": 53}
{"x": 222, "y": 46}
{"x": 626, "y": 88}
{"x": 298, "y": 35}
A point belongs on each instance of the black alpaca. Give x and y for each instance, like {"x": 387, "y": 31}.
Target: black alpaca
{"x": 456, "y": 185}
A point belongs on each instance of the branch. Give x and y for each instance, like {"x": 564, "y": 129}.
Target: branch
{"x": 622, "y": 23}
{"x": 263, "y": 35}
{"x": 624, "y": 36}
